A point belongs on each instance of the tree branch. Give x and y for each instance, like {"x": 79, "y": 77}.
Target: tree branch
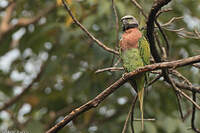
{"x": 193, "y": 114}
{"x": 111, "y": 69}
{"x": 5, "y": 23}
{"x": 116, "y": 22}
{"x": 6, "y": 27}
{"x": 150, "y": 27}
{"x": 99, "y": 98}
{"x": 87, "y": 32}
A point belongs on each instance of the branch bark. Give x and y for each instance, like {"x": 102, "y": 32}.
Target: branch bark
{"x": 150, "y": 27}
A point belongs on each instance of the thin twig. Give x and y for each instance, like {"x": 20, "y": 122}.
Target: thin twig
{"x": 164, "y": 37}
{"x": 155, "y": 79}
{"x": 171, "y": 21}
{"x": 177, "y": 96}
{"x": 179, "y": 75}
{"x": 132, "y": 113}
{"x": 158, "y": 42}
{"x": 187, "y": 87}
{"x": 117, "y": 62}
{"x": 189, "y": 111}
{"x": 54, "y": 115}
{"x": 197, "y": 33}
{"x": 139, "y": 7}
{"x": 175, "y": 30}
{"x": 183, "y": 33}
{"x": 111, "y": 69}
{"x": 117, "y": 29}
{"x": 193, "y": 114}
{"x": 187, "y": 36}
{"x": 163, "y": 11}
{"x": 129, "y": 114}
{"x": 186, "y": 96}
{"x": 87, "y": 32}
{"x": 149, "y": 119}
{"x": 116, "y": 22}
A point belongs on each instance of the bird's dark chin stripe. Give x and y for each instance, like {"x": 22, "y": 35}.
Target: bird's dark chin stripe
{"x": 130, "y": 26}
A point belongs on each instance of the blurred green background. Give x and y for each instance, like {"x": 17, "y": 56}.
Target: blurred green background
{"x": 69, "y": 80}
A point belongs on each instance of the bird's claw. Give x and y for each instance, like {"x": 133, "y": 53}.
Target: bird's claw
{"x": 123, "y": 76}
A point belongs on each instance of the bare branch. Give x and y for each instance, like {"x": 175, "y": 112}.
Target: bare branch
{"x": 117, "y": 62}
{"x": 197, "y": 33}
{"x": 5, "y": 26}
{"x": 185, "y": 34}
{"x": 162, "y": 11}
{"x": 171, "y": 21}
{"x": 132, "y": 112}
{"x": 193, "y": 114}
{"x": 155, "y": 79}
{"x": 117, "y": 29}
{"x": 186, "y": 96}
{"x": 129, "y": 114}
{"x": 174, "y": 30}
{"x": 177, "y": 96}
{"x": 179, "y": 75}
{"x": 116, "y": 22}
{"x": 111, "y": 69}
{"x": 146, "y": 119}
{"x": 164, "y": 37}
{"x": 187, "y": 87}
{"x": 87, "y": 32}
{"x": 139, "y": 7}
{"x": 99, "y": 98}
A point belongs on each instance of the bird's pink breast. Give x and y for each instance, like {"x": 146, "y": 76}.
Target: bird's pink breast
{"x": 130, "y": 39}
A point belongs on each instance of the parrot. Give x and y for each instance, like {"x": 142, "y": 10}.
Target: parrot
{"x": 134, "y": 52}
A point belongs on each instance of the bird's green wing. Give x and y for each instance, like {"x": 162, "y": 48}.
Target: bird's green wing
{"x": 144, "y": 50}
{"x": 145, "y": 54}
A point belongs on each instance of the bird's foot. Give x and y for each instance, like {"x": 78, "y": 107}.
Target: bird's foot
{"x": 123, "y": 76}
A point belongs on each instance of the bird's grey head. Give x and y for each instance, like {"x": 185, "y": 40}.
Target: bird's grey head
{"x": 128, "y": 22}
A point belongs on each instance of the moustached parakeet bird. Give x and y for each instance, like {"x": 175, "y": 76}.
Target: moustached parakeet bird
{"x": 134, "y": 52}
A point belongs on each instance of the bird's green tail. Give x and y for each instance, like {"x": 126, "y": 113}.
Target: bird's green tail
{"x": 141, "y": 97}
